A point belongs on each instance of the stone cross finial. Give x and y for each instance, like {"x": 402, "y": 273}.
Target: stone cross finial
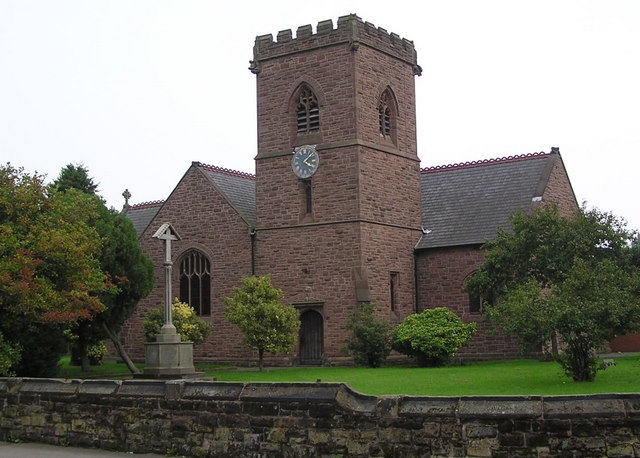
{"x": 127, "y": 195}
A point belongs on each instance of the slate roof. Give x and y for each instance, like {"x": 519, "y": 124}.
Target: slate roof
{"x": 465, "y": 204}
{"x": 462, "y": 204}
{"x": 142, "y": 214}
{"x": 238, "y": 188}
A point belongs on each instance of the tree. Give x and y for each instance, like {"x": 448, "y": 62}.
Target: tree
{"x": 76, "y": 176}
{"x": 576, "y": 278}
{"x": 432, "y": 336}
{"x": 268, "y": 325}
{"x": 9, "y": 357}
{"x": 370, "y": 343}
{"x": 48, "y": 272}
{"x": 121, "y": 260}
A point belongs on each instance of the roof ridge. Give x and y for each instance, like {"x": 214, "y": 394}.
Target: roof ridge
{"x": 151, "y": 203}
{"x": 215, "y": 168}
{"x": 483, "y": 162}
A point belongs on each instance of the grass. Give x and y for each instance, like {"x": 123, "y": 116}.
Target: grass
{"x": 113, "y": 369}
{"x": 106, "y": 369}
{"x": 517, "y": 377}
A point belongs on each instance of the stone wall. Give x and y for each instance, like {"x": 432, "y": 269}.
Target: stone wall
{"x": 203, "y": 418}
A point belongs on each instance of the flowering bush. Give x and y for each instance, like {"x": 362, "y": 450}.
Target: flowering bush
{"x": 191, "y": 327}
{"x": 96, "y": 352}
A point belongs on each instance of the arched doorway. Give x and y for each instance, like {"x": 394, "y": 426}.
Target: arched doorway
{"x": 311, "y": 338}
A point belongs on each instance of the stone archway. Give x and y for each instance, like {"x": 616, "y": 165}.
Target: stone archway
{"x": 311, "y": 338}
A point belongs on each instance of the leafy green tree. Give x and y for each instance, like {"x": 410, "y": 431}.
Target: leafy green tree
{"x": 267, "y": 324}
{"x": 9, "y": 357}
{"x": 432, "y": 336}
{"x": 76, "y": 176}
{"x": 576, "y": 278}
{"x": 370, "y": 342}
{"x": 121, "y": 259}
{"x": 190, "y": 326}
{"x": 48, "y": 271}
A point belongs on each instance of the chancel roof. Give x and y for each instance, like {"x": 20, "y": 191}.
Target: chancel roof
{"x": 238, "y": 188}
{"x": 142, "y": 214}
{"x": 465, "y": 204}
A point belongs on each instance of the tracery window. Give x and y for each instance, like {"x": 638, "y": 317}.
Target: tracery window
{"x": 195, "y": 282}
{"x": 307, "y": 112}
{"x": 386, "y": 115}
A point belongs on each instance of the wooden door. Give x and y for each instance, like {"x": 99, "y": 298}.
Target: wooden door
{"x": 311, "y": 338}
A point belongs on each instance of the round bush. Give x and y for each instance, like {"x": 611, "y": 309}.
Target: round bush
{"x": 432, "y": 337}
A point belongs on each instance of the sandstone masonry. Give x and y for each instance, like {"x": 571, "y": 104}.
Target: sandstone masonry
{"x": 203, "y": 418}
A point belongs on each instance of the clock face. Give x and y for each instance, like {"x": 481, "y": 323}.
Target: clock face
{"x": 305, "y": 161}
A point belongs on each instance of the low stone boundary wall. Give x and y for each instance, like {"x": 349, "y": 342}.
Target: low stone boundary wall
{"x": 204, "y": 418}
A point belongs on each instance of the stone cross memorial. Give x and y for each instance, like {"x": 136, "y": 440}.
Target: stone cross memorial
{"x": 168, "y": 357}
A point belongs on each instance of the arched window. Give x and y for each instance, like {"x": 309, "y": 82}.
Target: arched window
{"x": 195, "y": 282}
{"x": 387, "y": 116}
{"x": 307, "y": 111}
{"x": 475, "y": 304}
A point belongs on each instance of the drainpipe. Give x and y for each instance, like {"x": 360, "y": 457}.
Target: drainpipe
{"x": 252, "y": 235}
{"x": 415, "y": 280}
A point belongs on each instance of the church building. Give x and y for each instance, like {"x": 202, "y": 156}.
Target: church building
{"x": 339, "y": 212}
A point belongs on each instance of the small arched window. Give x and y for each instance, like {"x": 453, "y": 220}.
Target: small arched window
{"x": 195, "y": 282}
{"x": 475, "y": 303}
{"x": 307, "y": 111}
{"x": 387, "y": 116}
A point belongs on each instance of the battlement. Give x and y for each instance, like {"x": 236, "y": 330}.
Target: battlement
{"x": 351, "y": 30}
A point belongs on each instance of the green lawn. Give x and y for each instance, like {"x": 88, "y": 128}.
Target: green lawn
{"x": 519, "y": 377}
{"x": 106, "y": 369}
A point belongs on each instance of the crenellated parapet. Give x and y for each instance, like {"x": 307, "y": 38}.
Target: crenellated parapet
{"x": 351, "y": 31}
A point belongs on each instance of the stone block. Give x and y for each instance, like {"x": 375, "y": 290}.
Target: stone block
{"x": 99, "y": 387}
{"x": 477, "y": 431}
{"x": 583, "y": 406}
{"x": 427, "y": 406}
{"x": 626, "y": 450}
{"x": 142, "y": 388}
{"x": 168, "y": 359}
{"x": 49, "y": 386}
{"x": 496, "y": 407}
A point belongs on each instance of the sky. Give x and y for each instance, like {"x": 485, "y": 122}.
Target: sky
{"x": 135, "y": 90}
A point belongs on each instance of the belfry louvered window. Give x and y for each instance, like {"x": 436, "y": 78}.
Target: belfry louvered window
{"x": 385, "y": 115}
{"x": 195, "y": 282}
{"x": 307, "y": 112}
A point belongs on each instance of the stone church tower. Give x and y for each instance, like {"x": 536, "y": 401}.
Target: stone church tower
{"x": 337, "y": 222}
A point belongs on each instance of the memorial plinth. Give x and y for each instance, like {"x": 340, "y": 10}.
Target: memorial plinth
{"x": 168, "y": 357}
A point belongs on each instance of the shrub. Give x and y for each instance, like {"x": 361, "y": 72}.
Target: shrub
{"x": 432, "y": 337}
{"x": 96, "y": 353}
{"x": 370, "y": 343}
{"x": 190, "y": 326}
{"x": 268, "y": 325}
{"x": 42, "y": 345}
{"x": 8, "y": 357}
